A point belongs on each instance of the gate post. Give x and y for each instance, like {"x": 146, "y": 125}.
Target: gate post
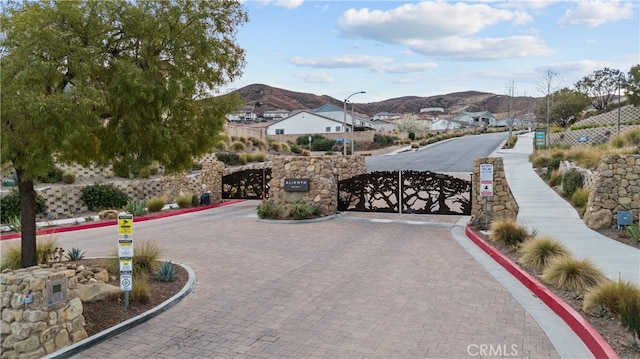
{"x": 502, "y": 204}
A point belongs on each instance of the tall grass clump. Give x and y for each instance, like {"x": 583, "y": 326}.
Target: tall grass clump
{"x": 586, "y": 157}
{"x": 156, "y": 204}
{"x": 12, "y": 254}
{"x": 508, "y": 232}
{"x": 184, "y": 201}
{"x": 537, "y": 252}
{"x": 630, "y": 317}
{"x": 238, "y": 146}
{"x": 569, "y": 273}
{"x": 140, "y": 289}
{"x": 146, "y": 255}
{"x": 555, "y": 178}
{"x": 609, "y": 296}
{"x": 580, "y": 197}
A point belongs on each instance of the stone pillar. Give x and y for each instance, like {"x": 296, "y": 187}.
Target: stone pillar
{"x": 502, "y": 205}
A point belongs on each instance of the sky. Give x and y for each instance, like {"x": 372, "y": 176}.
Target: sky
{"x": 391, "y": 49}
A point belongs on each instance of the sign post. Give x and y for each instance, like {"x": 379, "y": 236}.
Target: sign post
{"x": 125, "y": 254}
{"x": 486, "y": 187}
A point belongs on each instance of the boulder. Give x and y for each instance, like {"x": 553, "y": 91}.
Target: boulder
{"x": 95, "y": 292}
{"x": 108, "y": 214}
{"x": 599, "y": 219}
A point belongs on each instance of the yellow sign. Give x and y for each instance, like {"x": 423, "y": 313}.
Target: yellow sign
{"x": 125, "y": 224}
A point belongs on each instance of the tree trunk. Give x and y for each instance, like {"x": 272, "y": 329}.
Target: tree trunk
{"x": 28, "y": 222}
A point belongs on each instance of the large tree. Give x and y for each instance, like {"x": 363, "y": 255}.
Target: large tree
{"x": 632, "y": 87}
{"x": 566, "y": 107}
{"x": 601, "y": 86}
{"x": 100, "y": 82}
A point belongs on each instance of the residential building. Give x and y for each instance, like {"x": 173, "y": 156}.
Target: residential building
{"x": 307, "y": 122}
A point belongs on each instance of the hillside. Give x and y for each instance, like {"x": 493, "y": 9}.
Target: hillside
{"x": 261, "y": 98}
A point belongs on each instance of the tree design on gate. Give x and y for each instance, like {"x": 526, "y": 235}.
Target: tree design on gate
{"x": 247, "y": 184}
{"x": 417, "y": 192}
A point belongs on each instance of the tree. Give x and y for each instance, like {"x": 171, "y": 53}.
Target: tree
{"x": 549, "y": 84}
{"x": 511, "y": 117}
{"x": 409, "y": 123}
{"x": 601, "y": 86}
{"x": 566, "y": 107}
{"x": 632, "y": 88}
{"x": 127, "y": 82}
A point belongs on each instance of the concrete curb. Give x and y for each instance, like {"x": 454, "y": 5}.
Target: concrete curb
{"x": 585, "y": 331}
{"x": 135, "y": 321}
{"x": 114, "y": 222}
{"x": 299, "y": 221}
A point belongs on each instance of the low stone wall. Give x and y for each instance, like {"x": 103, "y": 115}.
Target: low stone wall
{"x": 502, "y": 205}
{"x": 36, "y": 329}
{"x": 616, "y": 188}
{"x": 323, "y": 173}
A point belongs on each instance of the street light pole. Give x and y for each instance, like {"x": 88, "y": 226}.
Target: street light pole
{"x": 620, "y": 79}
{"x": 352, "y": 130}
{"x": 344, "y": 124}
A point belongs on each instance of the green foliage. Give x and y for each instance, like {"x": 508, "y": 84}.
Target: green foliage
{"x": 632, "y": 89}
{"x": 384, "y": 139}
{"x": 412, "y": 136}
{"x": 10, "y": 206}
{"x": 508, "y": 232}
{"x": 568, "y": 273}
{"x": 630, "y": 314}
{"x": 230, "y": 158}
{"x": 140, "y": 290}
{"x": 156, "y": 204}
{"x": 318, "y": 142}
{"x": 184, "y": 201}
{"x": 75, "y": 254}
{"x": 268, "y": 209}
{"x": 104, "y": 196}
{"x": 634, "y": 231}
{"x": 609, "y": 296}
{"x": 195, "y": 200}
{"x": 144, "y": 172}
{"x": 537, "y": 252}
{"x": 69, "y": 177}
{"x": 238, "y": 146}
{"x": 301, "y": 209}
{"x": 580, "y": 197}
{"x": 553, "y": 164}
{"x": 166, "y": 273}
{"x": 571, "y": 181}
{"x": 136, "y": 208}
{"x": 555, "y": 179}
{"x": 53, "y": 175}
{"x": 600, "y": 82}
{"x": 295, "y": 148}
{"x": 14, "y": 224}
{"x": 46, "y": 251}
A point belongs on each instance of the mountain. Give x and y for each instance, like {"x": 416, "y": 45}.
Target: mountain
{"x": 261, "y": 98}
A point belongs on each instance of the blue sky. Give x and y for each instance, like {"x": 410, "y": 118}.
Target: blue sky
{"x": 424, "y": 48}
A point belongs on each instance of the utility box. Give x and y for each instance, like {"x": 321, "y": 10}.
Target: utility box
{"x": 625, "y": 218}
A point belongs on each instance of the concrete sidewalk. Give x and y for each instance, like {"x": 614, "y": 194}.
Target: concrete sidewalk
{"x": 542, "y": 209}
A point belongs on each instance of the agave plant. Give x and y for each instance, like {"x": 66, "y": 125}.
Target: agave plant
{"x": 75, "y": 254}
{"x": 166, "y": 273}
{"x": 136, "y": 208}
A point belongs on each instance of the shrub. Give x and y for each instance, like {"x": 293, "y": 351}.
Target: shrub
{"x": 54, "y": 175}
{"x": 166, "y": 273}
{"x": 156, "y": 204}
{"x": 258, "y": 157}
{"x": 195, "y": 200}
{"x": 555, "y": 178}
{"x": 144, "y": 172}
{"x": 630, "y": 314}
{"x": 230, "y": 159}
{"x": 609, "y": 296}
{"x": 15, "y": 224}
{"x": 238, "y": 146}
{"x": 571, "y": 181}
{"x": 69, "y": 177}
{"x": 10, "y": 206}
{"x": 508, "y": 232}
{"x": 580, "y": 197}
{"x": 301, "y": 210}
{"x": 184, "y": 201}
{"x": 136, "y": 208}
{"x": 537, "y": 252}
{"x": 268, "y": 209}
{"x": 75, "y": 254}
{"x": 553, "y": 165}
{"x": 103, "y": 196}
{"x": 140, "y": 290}
{"x": 12, "y": 254}
{"x": 305, "y": 153}
{"x": 568, "y": 273}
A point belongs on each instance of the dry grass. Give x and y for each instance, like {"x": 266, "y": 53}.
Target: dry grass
{"x": 568, "y": 273}
{"x": 508, "y": 232}
{"x": 609, "y": 296}
{"x": 539, "y": 251}
{"x": 12, "y": 253}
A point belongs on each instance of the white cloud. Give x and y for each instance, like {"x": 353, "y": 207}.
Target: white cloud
{"x": 345, "y": 61}
{"x": 596, "y": 13}
{"x": 316, "y": 77}
{"x": 287, "y": 4}
{"x": 444, "y": 30}
{"x": 404, "y": 68}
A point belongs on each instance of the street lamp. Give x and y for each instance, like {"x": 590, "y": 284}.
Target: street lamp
{"x": 344, "y": 124}
{"x": 621, "y": 81}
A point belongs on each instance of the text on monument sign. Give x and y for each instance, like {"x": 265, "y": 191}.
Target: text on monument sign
{"x": 296, "y": 184}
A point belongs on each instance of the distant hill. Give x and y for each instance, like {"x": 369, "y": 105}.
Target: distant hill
{"x": 261, "y": 98}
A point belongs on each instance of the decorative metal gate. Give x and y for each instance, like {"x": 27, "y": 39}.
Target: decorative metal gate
{"x": 247, "y": 184}
{"x": 405, "y": 192}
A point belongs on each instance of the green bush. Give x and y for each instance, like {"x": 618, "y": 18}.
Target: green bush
{"x": 630, "y": 314}
{"x": 230, "y": 159}
{"x": 54, "y": 175}
{"x": 104, "y": 196}
{"x": 156, "y": 204}
{"x": 195, "y": 200}
{"x": 268, "y": 209}
{"x": 555, "y": 178}
{"x": 553, "y": 165}
{"x": 238, "y": 146}
{"x": 537, "y": 252}
{"x": 571, "y": 181}
{"x": 580, "y": 197}
{"x": 136, "y": 208}
{"x": 10, "y": 206}
{"x": 301, "y": 209}
{"x": 508, "y": 232}
{"x": 568, "y": 273}
{"x": 69, "y": 177}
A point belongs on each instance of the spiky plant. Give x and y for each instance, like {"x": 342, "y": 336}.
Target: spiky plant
{"x": 610, "y": 295}
{"x": 166, "y": 273}
{"x": 568, "y": 273}
{"x": 509, "y": 232}
{"x": 537, "y": 252}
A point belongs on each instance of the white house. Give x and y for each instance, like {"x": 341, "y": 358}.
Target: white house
{"x": 360, "y": 122}
{"x": 275, "y": 115}
{"x": 306, "y": 122}
{"x": 479, "y": 119}
{"x": 384, "y": 125}
{"x": 443, "y": 125}
{"x": 384, "y": 116}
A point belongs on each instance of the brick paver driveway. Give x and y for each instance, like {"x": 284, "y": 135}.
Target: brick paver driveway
{"x": 351, "y": 287}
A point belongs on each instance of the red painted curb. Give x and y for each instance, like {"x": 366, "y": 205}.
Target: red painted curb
{"x": 585, "y": 331}
{"x": 90, "y": 225}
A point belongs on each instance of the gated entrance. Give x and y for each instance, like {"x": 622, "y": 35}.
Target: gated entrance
{"x": 247, "y": 184}
{"x": 405, "y": 192}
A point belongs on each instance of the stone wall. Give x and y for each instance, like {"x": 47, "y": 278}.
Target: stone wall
{"x": 502, "y": 205}
{"x": 35, "y": 329}
{"x": 323, "y": 173}
{"x": 616, "y": 188}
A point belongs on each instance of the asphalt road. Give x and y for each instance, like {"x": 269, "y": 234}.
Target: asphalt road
{"x": 454, "y": 155}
